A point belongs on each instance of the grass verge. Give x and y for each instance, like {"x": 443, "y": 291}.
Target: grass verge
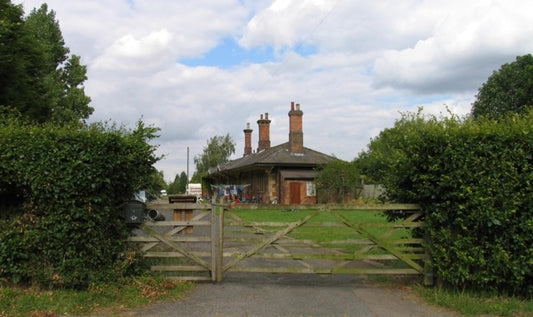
{"x": 471, "y": 303}
{"x": 108, "y": 299}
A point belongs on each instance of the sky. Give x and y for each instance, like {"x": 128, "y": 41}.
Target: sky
{"x": 198, "y": 69}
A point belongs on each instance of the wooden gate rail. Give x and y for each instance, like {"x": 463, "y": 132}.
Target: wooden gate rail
{"x": 223, "y": 242}
{"x": 175, "y": 240}
{"x": 257, "y": 239}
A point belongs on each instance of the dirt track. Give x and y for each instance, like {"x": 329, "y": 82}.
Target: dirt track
{"x": 293, "y": 295}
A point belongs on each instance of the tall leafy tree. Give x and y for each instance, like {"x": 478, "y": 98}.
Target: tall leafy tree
{"x": 510, "y": 89}
{"x": 179, "y": 184}
{"x": 73, "y": 103}
{"x": 63, "y": 75}
{"x": 37, "y": 76}
{"x": 21, "y": 64}
{"x": 173, "y": 186}
{"x": 43, "y": 26}
{"x": 182, "y": 182}
{"x": 217, "y": 151}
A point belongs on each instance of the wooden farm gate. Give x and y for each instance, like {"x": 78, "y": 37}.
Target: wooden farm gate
{"x": 216, "y": 240}
{"x": 184, "y": 247}
{"x": 326, "y": 242}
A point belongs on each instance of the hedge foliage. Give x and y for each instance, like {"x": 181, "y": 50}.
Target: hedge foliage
{"x": 61, "y": 191}
{"x": 475, "y": 180}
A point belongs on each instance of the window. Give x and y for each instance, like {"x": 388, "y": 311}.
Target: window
{"x": 310, "y": 189}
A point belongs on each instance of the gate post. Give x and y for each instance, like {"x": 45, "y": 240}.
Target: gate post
{"x": 220, "y": 249}
{"x": 213, "y": 243}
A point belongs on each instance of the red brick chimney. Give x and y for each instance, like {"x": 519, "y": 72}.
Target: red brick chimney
{"x": 264, "y": 133}
{"x": 296, "y": 135}
{"x": 247, "y": 140}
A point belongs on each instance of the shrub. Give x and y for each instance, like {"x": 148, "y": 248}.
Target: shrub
{"x": 62, "y": 189}
{"x": 475, "y": 181}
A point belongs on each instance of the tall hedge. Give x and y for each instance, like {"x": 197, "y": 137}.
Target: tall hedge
{"x": 475, "y": 181}
{"x": 61, "y": 191}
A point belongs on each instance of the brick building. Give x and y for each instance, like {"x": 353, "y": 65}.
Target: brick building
{"x": 281, "y": 174}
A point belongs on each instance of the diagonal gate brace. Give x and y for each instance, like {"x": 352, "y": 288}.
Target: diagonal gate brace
{"x": 174, "y": 246}
{"x": 380, "y": 243}
{"x": 269, "y": 241}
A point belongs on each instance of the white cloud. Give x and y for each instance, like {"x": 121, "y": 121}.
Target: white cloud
{"x": 129, "y": 54}
{"x": 371, "y": 61}
{"x": 153, "y": 43}
{"x": 285, "y": 23}
{"x": 462, "y": 50}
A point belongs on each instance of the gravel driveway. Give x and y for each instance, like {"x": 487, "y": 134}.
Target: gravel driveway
{"x": 254, "y": 294}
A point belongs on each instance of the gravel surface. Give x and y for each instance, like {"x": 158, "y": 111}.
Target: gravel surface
{"x": 293, "y": 295}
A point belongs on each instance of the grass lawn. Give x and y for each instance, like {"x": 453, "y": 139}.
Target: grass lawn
{"x": 326, "y": 228}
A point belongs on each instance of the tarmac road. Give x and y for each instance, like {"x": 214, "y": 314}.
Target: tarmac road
{"x": 310, "y": 295}
{"x": 259, "y": 294}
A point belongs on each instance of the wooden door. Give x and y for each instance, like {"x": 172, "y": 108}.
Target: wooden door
{"x": 295, "y": 193}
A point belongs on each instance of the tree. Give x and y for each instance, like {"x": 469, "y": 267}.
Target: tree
{"x": 196, "y": 178}
{"x": 337, "y": 181}
{"x": 510, "y": 89}
{"x": 390, "y": 156}
{"x": 73, "y": 104}
{"x": 217, "y": 152}
{"x": 20, "y": 65}
{"x": 37, "y": 77}
{"x": 44, "y": 28}
{"x": 179, "y": 185}
{"x": 64, "y": 76}
{"x": 182, "y": 182}
{"x": 173, "y": 186}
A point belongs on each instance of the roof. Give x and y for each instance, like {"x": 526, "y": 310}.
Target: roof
{"x": 299, "y": 174}
{"x": 275, "y": 156}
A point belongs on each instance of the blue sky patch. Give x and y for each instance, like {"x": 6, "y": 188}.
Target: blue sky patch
{"x": 305, "y": 50}
{"x": 229, "y": 53}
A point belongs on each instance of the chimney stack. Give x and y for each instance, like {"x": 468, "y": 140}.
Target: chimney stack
{"x": 296, "y": 135}
{"x": 247, "y": 140}
{"x": 264, "y": 133}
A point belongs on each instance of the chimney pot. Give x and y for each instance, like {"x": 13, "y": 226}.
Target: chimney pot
{"x": 264, "y": 132}
{"x": 296, "y": 135}
{"x": 247, "y": 140}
